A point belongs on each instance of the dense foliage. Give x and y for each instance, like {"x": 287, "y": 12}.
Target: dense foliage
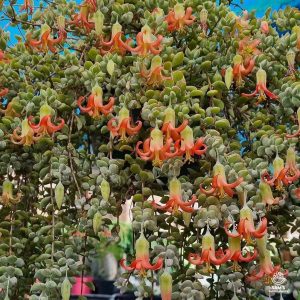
{"x": 187, "y": 108}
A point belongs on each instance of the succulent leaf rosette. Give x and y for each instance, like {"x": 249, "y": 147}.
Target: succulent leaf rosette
{"x": 165, "y": 133}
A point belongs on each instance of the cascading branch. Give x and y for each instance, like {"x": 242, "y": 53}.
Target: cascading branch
{"x": 187, "y": 108}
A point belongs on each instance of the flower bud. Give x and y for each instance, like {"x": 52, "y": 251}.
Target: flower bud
{"x": 97, "y": 222}
{"x": 99, "y": 21}
{"x": 59, "y": 194}
{"x": 165, "y": 283}
{"x": 264, "y": 27}
{"x": 290, "y": 57}
{"x": 203, "y": 16}
{"x": 228, "y": 77}
{"x": 66, "y": 289}
{"x": 61, "y": 22}
{"x": 105, "y": 189}
{"x": 142, "y": 247}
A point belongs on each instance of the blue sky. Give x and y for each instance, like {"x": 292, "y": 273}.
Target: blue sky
{"x": 259, "y": 5}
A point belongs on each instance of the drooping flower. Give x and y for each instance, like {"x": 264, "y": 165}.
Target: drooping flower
{"x": 178, "y": 17}
{"x": 266, "y": 268}
{"x": 297, "y": 133}
{"x": 240, "y": 71}
{"x": 264, "y": 27}
{"x": 175, "y": 202}
{"x": 81, "y": 19}
{"x": 241, "y": 22}
{"x": 45, "y": 126}
{"x": 27, "y": 5}
{"x": 248, "y": 49}
{"x": 99, "y": 22}
{"x": 246, "y": 228}
{"x": 209, "y": 255}
{"x": 123, "y": 125}
{"x": 266, "y": 194}
{"x": 290, "y": 57}
{"x": 147, "y": 42}
{"x": 236, "y": 253}
{"x": 188, "y": 146}
{"x": 169, "y": 125}
{"x": 4, "y": 92}
{"x": 154, "y": 76}
{"x": 165, "y": 284}
{"x": 203, "y": 20}
{"x": 154, "y": 148}
{"x": 95, "y": 105}
{"x": 7, "y": 198}
{"x": 46, "y": 42}
{"x": 26, "y": 137}
{"x": 296, "y": 30}
{"x": 283, "y": 174}
{"x": 261, "y": 87}
{"x": 116, "y": 43}
{"x": 219, "y": 186}
{"x": 141, "y": 263}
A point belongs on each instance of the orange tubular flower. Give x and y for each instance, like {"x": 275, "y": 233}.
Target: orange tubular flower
{"x": 219, "y": 186}
{"x": 261, "y": 87}
{"x": 187, "y": 145}
{"x": 248, "y": 49}
{"x": 297, "y": 133}
{"x": 169, "y": 124}
{"x": 27, "y": 137}
{"x": 141, "y": 263}
{"x": 27, "y": 6}
{"x": 4, "y": 92}
{"x": 175, "y": 201}
{"x": 147, "y": 42}
{"x": 283, "y": 175}
{"x": 266, "y": 268}
{"x": 9, "y": 111}
{"x": 95, "y": 103}
{"x": 82, "y": 18}
{"x": 239, "y": 70}
{"x": 208, "y": 254}
{"x": 236, "y": 254}
{"x": 123, "y": 126}
{"x": 45, "y": 126}
{"x": 154, "y": 148}
{"x": 266, "y": 194}
{"x": 115, "y": 44}
{"x": 246, "y": 226}
{"x": 46, "y": 42}
{"x": 154, "y": 76}
{"x": 177, "y": 18}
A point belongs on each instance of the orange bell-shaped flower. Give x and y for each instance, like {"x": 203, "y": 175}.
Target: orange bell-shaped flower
{"x": 188, "y": 146}
{"x": 240, "y": 71}
{"x": 169, "y": 125}
{"x": 45, "y": 126}
{"x": 266, "y": 194}
{"x": 154, "y": 148}
{"x": 209, "y": 255}
{"x": 141, "y": 263}
{"x": 147, "y": 42}
{"x": 154, "y": 76}
{"x": 261, "y": 87}
{"x": 266, "y": 268}
{"x": 178, "y": 17}
{"x": 81, "y": 19}
{"x": 175, "y": 202}
{"x": 95, "y": 106}
{"x": 46, "y": 42}
{"x": 123, "y": 127}
{"x": 26, "y": 137}
{"x": 219, "y": 186}
{"x": 27, "y": 5}
{"x": 297, "y": 133}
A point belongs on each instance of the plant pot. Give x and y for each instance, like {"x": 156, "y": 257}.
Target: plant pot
{"x": 80, "y": 288}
